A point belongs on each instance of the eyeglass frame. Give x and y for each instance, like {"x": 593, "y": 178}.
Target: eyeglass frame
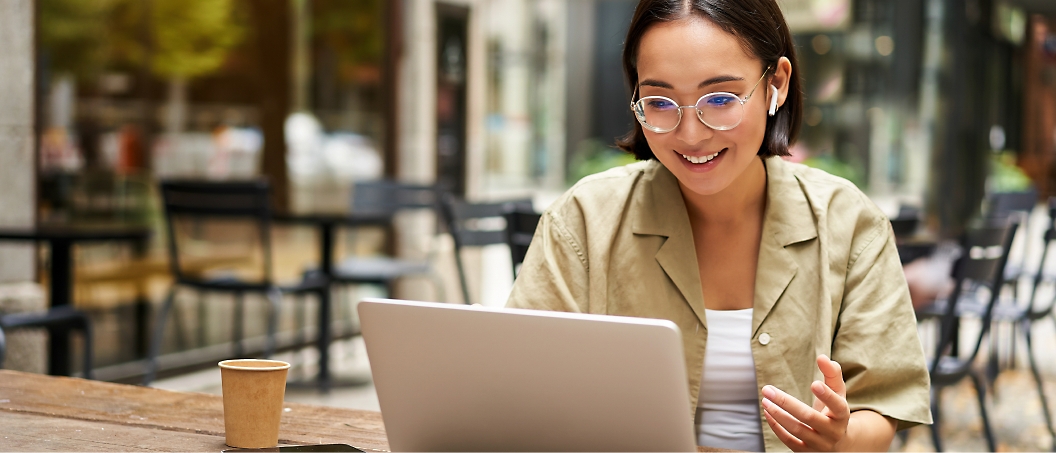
{"x": 694, "y": 106}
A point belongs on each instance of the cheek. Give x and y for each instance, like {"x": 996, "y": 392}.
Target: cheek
{"x": 750, "y": 134}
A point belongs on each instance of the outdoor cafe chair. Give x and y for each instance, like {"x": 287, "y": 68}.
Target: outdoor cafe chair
{"x": 520, "y": 228}
{"x": 982, "y": 261}
{"x": 203, "y": 217}
{"x": 387, "y": 198}
{"x": 476, "y": 225}
{"x": 1000, "y": 205}
{"x": 1024, "y": 317}
{"x": 57, "y": 319}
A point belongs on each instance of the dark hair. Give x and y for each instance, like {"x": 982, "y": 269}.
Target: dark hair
{"x": 761, "y": 28}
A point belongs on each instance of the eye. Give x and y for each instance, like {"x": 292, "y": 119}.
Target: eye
{"x": 720, "y": 100}
{"x": 660, "y": 104}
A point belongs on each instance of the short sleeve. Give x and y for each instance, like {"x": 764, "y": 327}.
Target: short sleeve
{"x": 554, "y": 273}
{"x": 876, "y": 340}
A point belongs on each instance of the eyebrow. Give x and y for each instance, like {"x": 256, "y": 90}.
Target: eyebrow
{"x": 711, "y": 81}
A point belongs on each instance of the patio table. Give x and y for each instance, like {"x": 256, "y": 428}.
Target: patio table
{"x": 60, "y": 281}
{"x": 47, "y": 413}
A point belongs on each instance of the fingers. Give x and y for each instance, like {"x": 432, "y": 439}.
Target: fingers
{"x": 828, "y": 398}
{"x": 833, "y": 373}
{"x": 788, "y": 439}
{"x": 797, "y": 409}
{"x": 795, "y": 430}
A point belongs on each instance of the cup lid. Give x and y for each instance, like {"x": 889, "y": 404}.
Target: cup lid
{"x": 254, "y": 365}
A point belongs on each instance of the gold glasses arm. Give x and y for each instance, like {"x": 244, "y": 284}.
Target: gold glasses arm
{"x": 749, "y": 96}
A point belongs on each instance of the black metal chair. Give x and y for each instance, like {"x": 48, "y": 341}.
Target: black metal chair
{"x": 520, "y": 228}
{"x": 474, "y": 225}
{"x": 1024, "y": 317}
{"x": 190, "y": 207}
{"x": 1017, "y": 204}
{"x": 387, "y": 198}
{"x": 1000, "y": 205}
{"x": 58, "y": 319}
{"x": 982, "y": 261}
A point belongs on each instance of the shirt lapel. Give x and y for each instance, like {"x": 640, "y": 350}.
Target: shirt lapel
{"x": 660, "y": 211}
{"x": 788, "y": 220}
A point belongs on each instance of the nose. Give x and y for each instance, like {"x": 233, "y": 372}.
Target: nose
{"x": 691, "y": 130}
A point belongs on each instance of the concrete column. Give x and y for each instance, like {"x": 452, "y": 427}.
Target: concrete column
{"x": 17, "y": 170}
{"x": 25, "y": 347}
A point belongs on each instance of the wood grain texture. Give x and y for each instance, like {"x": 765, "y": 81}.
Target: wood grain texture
{"x": 38, "y": 408}
{"x": 49, "y": 413}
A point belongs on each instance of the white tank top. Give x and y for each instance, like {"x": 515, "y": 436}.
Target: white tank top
{"x": 728, "y": 404}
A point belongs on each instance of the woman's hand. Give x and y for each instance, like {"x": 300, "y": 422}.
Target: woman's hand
{"x": 804, "y": 428}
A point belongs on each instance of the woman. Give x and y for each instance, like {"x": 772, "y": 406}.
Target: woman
{"x": 768, "y": 268}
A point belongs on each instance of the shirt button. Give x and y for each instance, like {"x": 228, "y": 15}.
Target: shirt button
{"x": 764, "y": 339}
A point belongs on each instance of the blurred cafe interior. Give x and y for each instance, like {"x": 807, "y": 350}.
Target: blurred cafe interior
{"x": 116, "y": 116}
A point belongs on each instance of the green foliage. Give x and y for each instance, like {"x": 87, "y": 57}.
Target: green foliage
{"x": 352, "y": 29}
{"x": 192, "y": 37}
{"x": 1005, "y": 175}
{"x": 836, "y": 167}
{"x": 184, "y": 38}
{"x": 73, "y": 34}
{"x": 592, "y": 156}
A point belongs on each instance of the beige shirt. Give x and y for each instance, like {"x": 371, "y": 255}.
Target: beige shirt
{"x": 828, "y": 281}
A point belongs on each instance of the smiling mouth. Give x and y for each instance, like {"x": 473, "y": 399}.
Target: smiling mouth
{"x": 701, "y": 159}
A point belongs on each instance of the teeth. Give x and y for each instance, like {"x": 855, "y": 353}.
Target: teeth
{"x": 701, "y": 159}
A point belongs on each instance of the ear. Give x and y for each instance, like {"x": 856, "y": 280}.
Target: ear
{"x": 782, "y": 79}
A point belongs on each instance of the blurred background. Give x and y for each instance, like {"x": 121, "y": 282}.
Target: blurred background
{"x": 929, "y": 106}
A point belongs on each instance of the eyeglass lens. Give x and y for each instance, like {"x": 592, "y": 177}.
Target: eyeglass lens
{"x": 720, "y": 111}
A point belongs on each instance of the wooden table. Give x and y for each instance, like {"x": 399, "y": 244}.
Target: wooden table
{"x": 45, "y": 413}
{"x": 49, "y": 413}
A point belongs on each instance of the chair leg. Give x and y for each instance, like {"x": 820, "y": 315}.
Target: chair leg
{"x": 325, "y": 336}
{"x": 202, "y": 316}
{"x": 936, "y": 439}
{"x": 1037, "y": 381}
{"x": 236, "y": 329}
{"x": 86, "y": 327}
{"x": 980, "y": 391}
{"x": 275, "y": 299}
{"x": 301, "y": 338}
{"x": 181, "y": 330}
{"x": 155, "y": 343}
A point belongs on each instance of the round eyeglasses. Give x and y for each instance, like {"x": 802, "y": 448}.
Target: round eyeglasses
{"x": 720, "y": 110}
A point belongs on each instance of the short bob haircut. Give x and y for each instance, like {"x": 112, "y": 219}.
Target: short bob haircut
{"x": 761, "y": 28}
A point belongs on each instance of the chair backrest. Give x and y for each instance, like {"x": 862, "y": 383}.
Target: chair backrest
{"x": 984, "y": 254}
{"x": 520, "y": 228}
{"x": 386, "y": 197}
{"x": 906, "y": 222}
{"x": 1001, "y": 205}
{"x": 475, "y": 225}
{"x": 209, "y": 215}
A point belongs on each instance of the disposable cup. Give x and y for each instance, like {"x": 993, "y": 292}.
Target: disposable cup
{"x": 253, "y": 395}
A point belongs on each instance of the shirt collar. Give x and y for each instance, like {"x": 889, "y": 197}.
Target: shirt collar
{"x": 661, "y": 211}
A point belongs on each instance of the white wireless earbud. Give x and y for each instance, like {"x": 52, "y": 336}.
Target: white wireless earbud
{"x": 773, "y": 100}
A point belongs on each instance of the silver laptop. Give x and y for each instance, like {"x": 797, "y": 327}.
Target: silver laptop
{"x": 471, "y": 378}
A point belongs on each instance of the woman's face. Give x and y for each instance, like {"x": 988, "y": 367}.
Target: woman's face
{"x": 684, "y": 60}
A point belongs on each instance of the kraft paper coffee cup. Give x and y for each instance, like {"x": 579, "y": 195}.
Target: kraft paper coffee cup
{"x": 253, "y": 396}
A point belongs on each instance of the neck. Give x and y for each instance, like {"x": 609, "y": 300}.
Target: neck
{"x": 744, "y": 199}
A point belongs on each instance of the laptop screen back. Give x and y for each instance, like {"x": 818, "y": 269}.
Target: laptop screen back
{"x": 470, "y": 378}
